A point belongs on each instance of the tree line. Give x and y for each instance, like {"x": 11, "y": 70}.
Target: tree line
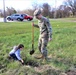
{"x": 68, "y": 9}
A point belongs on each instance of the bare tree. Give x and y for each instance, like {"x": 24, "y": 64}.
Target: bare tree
{"x": 35, "y": 6}
{"x": 1, "y": 14}
{"x": 63, "y": 11}
{"x": 30, "y": 11}
{"x": 52, "y": 14}
{"x": 72, "y": 4}
{"x": 46, "y": 9}
{"x": 10, "y": 10}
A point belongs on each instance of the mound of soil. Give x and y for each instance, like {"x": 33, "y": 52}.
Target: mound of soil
{"x": 71, "y": 72}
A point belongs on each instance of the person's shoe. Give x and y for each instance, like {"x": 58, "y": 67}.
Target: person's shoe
{"x": 47, "y": 59}
{"x": 9, "y": 57}
{"x": 39, "y": 57}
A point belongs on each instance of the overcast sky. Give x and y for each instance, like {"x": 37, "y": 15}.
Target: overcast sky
{"x": 24, "y": 4}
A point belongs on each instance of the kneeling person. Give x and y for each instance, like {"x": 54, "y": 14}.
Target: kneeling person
{"x": 15, "y": 53}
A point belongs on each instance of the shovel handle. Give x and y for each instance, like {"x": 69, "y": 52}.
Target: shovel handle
{"x": 32, "y": 34}
{"x": 32, "y": 46}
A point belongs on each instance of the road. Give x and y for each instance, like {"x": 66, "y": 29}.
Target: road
{"x": 2, "y": 20}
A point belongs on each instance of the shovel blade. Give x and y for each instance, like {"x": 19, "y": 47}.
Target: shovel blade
{"x": 32, "y": 52}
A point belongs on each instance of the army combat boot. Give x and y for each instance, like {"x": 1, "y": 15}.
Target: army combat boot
{"x": 40, "y": 57}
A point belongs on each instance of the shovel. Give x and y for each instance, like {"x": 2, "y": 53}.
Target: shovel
{"x": 32, "y": 51}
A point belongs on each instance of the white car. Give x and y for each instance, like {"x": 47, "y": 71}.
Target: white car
{"x": 18, "y": 17}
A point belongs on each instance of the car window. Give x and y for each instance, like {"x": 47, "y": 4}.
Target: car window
{"x": 16, "y": 15}
{"x": 12, "y": 15}
{"x": 22, "y": 15}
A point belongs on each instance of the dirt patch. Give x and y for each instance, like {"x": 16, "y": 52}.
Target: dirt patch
{"x": 32, "y": 63}
{"x": 71, "y": 72}
{"x": 47, "y": 70}
{"x": 27, "y": 62}
{"x": 2, "y": 66}
{"x": 42, "y": 68}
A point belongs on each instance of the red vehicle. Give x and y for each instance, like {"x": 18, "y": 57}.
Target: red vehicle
{"x": 29, "y": 18}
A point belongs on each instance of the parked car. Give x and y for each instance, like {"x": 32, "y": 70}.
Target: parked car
{"x": 27, "y": 17}
{"x": 18, "y": 17}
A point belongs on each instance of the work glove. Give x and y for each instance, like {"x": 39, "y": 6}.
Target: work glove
{"x": 22, "y": 62}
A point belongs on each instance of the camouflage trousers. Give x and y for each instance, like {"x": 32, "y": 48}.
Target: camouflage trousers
{"x": 42, "y": 44}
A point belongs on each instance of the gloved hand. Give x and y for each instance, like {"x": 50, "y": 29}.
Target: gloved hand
{"x": 49, "y": 39}
{"x": 22, "y": 62}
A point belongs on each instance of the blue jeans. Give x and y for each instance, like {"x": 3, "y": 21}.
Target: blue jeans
{"x": 14, "y": 56}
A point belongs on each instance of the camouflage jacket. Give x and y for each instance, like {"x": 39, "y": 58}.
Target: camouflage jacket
{"x": 45, "y": 27}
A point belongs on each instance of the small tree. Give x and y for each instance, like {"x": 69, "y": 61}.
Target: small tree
{"x": 10, "y": 10}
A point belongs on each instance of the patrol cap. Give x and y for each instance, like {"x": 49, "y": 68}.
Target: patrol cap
{"x": 37, "y": 12}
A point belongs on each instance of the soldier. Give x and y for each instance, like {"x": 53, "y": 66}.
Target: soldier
{"x": 45, "y": 33}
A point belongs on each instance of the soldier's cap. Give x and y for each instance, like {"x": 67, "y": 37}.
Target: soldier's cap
{"x": 37, "y": 12}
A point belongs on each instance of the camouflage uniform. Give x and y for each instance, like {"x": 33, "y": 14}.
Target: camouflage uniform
{"x": 45, "y": 34}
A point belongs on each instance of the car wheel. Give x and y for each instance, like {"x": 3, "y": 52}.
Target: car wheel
{"x": 21, "y": 19}
{"x": 8, "y": 19}
{"x": 18, "y": 19}
{"x": 12, "y": 19}
{"x": 28, "y": 19}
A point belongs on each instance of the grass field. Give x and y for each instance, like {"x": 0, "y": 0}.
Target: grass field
{"x": 62, "y": 49}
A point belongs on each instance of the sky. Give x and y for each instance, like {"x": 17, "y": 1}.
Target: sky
{"x": 25, "y": 4}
